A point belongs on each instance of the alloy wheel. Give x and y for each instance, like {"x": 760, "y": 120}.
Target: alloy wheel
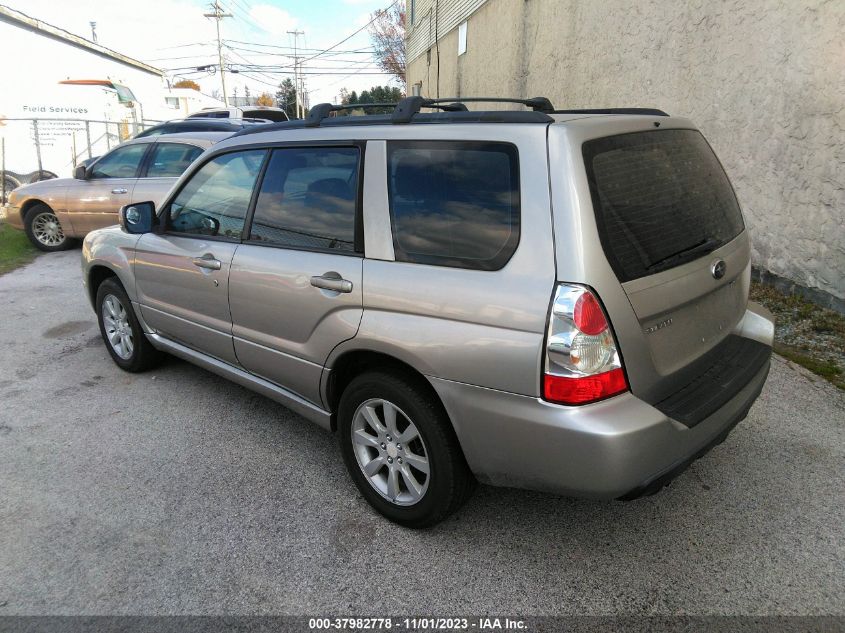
{"x": 47, "y": 229}
{"x": 117, "y": 326}
{"x": 390, "y": 452}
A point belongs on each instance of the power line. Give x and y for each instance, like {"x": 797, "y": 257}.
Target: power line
{"x": 243, "y": 14}
{"x": 334, "y": 83}
{"x": 254, "y": 52}
{"x": 302, "y": 50}
{"x": 346, "y": 39}
{"x": 243, "y": 5}
{"x": 311, "y": 73}
{"x": 167, "y": 59}
{"x": 167, "y": 48}
{"x": 250, "y": 70}
{"x": 258, "y": 68}
{"x": 246, "y": 60}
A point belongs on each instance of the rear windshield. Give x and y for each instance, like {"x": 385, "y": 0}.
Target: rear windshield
{"x": 268, "y": 115}
{"x": 212, "y": 114}
{"x": 661, "y": 199}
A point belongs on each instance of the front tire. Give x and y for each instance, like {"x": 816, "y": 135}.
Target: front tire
{"x": 401, "y": 451}
{"x": 125, "y": 340}
{"x": 44, "y": 229}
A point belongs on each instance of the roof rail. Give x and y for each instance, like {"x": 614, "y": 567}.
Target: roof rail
{"x": 323, "y": 110}
{"x": 649, "y": 111}
{"x": 409, "y": 106}
{"x": 453, "y": 110}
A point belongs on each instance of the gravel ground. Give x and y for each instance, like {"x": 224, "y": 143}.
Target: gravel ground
{"x": 176, "y": 492}
{"x": 806, "y": 333}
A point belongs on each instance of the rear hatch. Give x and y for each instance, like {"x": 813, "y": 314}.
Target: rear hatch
{"x": 675, "y": 269}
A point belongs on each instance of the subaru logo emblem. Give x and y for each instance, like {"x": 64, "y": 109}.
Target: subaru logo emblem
{"x": 718, "y": 269}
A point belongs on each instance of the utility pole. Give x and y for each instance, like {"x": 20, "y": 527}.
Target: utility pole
{"x": 219, "y": 15}
{"x": 296, "y": 35}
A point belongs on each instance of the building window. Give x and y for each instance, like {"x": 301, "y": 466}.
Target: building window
{"x": 172, "y": 102}
{"x": 462, "y": 38}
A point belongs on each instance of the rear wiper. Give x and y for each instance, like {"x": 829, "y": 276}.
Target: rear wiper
{"x": 705, "y": 245}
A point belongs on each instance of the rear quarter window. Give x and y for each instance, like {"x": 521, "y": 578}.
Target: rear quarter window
{"x": 454, "y": 203}
{"x": 661, "y": 199}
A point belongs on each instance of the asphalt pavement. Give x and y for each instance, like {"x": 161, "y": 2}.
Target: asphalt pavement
{"x": 177, "y": 492}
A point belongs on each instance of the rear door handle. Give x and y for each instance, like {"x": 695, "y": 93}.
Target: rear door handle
{"x": 329, "y": 281}
{"x": 207, "y": 261}
{"x": 119, "y": 190}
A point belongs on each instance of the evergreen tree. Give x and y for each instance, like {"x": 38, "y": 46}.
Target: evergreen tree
{"x": 286, "y": 98}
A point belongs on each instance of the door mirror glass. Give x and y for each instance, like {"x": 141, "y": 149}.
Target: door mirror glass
{"x": 210, "y": 226}
{"x": 138, "y": 218}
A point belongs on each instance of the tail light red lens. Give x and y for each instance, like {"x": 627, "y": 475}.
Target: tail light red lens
{"x": 585, "y": 389}
{"x": 588, "y": 316}
{"x": 582, "y": 362}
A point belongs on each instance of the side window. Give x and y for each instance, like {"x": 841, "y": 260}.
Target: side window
{"x": 307, "y": 199}
{"x": 169, "y": 160}
{"x": 454, "y": 203}
{"x": 216, "y": 198}
{"x": 122, "y": 162}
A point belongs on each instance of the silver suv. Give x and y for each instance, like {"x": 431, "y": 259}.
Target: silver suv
{"x": 544, "y": 299}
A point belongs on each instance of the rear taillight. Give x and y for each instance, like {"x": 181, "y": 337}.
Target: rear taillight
{"x": 582, "y": 362}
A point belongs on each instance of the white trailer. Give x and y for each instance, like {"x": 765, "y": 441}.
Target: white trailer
{"x": 72, "y": 100}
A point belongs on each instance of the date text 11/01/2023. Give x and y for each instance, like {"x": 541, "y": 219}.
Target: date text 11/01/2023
{"x": 418, "y": 624}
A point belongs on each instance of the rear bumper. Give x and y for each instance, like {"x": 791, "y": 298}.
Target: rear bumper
{"x": 658, "y": 481}
{"x": 619, "y": 448}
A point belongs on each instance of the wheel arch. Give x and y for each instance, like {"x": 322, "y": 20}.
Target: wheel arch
{"x": 352, "y": 362}
{"x": 30, "y": 203}
{"x": 105, "y": 253}
{"x": 97, "y": 274}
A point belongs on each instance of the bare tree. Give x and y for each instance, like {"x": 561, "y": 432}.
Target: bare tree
{"x": 387, "y": 33}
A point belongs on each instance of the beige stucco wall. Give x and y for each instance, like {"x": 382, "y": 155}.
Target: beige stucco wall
{"x": 764, "y": 79}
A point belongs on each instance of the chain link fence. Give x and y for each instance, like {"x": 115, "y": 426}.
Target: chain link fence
{"x": 33, "y": 149}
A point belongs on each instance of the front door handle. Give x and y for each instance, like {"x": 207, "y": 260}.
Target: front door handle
{"x": 119, "y": 190}
{"x": 207, "y": 261}
{"x": 331, "y": 281}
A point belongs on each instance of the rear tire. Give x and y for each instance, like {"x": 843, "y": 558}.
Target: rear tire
{"x": 44, "y": 230}
{"x": 405, "y": 458}
{"x": 125, "y": 340}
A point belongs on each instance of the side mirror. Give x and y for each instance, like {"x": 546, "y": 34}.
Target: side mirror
{"x": 83, "y": 169}
{"x": 210, "y": 226}
{"x": 138, "y": 218}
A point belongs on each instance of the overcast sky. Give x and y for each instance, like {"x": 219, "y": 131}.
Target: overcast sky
{"x": 173, "y": 35}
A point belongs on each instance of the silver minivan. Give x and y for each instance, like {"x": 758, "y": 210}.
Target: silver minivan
{"x": 538, "y": 298}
